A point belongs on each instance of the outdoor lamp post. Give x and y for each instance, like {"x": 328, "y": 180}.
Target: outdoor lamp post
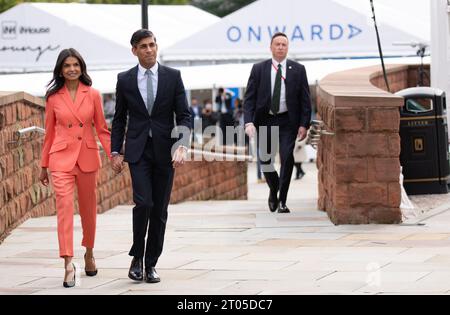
{"x": 144, "y": 7}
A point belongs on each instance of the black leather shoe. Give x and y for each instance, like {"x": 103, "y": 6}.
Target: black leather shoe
{"x": 273, "y": 202}
{"x": 283, "y": 209}
{"x": 151, "y": 276}
{"x": 136, "y": 270}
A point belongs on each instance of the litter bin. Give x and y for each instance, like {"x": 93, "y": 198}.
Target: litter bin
{"x": 424, "y": 141}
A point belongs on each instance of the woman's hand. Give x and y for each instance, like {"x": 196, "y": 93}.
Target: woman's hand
{"x": 43, "y": 177}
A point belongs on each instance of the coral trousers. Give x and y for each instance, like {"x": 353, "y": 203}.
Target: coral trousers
{"x": 64, "y": 186}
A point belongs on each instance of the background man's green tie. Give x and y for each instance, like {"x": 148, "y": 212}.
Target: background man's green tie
{"x": 276, "y": 92}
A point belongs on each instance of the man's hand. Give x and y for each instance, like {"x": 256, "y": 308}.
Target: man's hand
{"x": 179, "y": 157}
{"x": 117, "y": 163}
{"x": 302, "y": 132}
{"x": 250, "y": 130}
{"x": 43, "y": 177}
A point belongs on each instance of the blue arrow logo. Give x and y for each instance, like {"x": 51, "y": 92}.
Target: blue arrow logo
{"x": 354, "y": 31}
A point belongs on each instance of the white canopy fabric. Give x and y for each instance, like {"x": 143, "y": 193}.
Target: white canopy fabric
{"x": 32, "y": 34}
{"x": 316, "y": 29}
{"x": 196, "y": 77}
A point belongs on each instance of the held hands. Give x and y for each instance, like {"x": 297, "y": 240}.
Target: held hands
{"x": 302, "y": 132}
{"x": 179, "y": 157}
{"x": 43, "y": 177}
{"x": 117, "y": 163}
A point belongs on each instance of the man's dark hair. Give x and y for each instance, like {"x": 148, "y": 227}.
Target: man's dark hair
{"x": 278, "y": 34}
{"x": 221, "y": 90}
{"x": 140, "y": 35}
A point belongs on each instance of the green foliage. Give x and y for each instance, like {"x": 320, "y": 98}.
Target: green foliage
{"x": 220, "y": 7}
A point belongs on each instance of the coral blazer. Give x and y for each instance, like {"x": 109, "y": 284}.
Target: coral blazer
{"x": 69, "y": 130}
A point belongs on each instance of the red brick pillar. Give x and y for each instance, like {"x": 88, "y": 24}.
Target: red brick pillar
{"x": 359, "y": 166}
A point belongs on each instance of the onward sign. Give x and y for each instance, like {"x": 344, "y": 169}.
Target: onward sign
{"x": 314, "y": 32}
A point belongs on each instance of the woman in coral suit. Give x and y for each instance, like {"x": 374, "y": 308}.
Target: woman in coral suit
{"x": 70, "y": 152}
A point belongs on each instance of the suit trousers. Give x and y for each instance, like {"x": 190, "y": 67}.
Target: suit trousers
{"x": 64, "y": 185}
{"x": 268, "y": 149}
{"x": 152, "y": 184}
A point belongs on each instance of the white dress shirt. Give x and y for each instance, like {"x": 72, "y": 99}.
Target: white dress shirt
{"x": 142, "y": 81}
{"x": 283, "y": 106}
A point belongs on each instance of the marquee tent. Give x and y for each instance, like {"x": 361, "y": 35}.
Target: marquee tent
{"x": 32, "y": 34}
{"x": 316, "y": 29}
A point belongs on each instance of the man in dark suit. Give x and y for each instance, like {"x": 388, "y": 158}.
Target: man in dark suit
{"x": 278, "y": 99}
{"x": 149, "y": 95}
{"x": 224, "y": 108}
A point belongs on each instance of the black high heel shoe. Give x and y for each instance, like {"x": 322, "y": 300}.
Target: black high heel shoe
{"x": 70, "y": 284}
{"x": 90, "y": 273}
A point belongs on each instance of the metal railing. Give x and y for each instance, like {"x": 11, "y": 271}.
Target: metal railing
{"x": 21, "y": 133}
{"x": 316, "y": 131}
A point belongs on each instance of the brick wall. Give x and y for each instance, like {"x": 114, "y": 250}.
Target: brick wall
{"x": 22, "y": 196}
{"x": 359, "y": 166}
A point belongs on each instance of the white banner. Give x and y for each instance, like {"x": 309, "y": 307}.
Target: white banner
{"x": 316, "y": 29}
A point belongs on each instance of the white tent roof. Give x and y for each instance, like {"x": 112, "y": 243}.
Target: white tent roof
{"x": 316, "y": 29}
{"x": 196, "y": 77}
{"x": 100, "y": 32}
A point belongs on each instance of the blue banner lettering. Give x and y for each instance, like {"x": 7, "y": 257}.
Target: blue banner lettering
{"x": 354, "y": 31}
{"x": 276, "y": 30}
{"x": 336, "y": 28}
{"x": 256, "y": 35}
{"x": 297, "y": 34}
{"x": 316, "y": 30}
{"x": 237, "y": 34}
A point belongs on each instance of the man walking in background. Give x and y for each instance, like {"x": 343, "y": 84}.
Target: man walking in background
{"x": 278, "y": 98}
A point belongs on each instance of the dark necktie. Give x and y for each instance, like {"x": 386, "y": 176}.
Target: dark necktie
{"x": 276, "y": 92}
{"x": 150, "y": 96}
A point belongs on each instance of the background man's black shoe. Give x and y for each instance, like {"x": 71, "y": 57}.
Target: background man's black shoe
{"x": 136, "y": 270}
{"x": 273, "y": 202}
{"x": 151, "y": 276}
{"x": 283, "y": 209}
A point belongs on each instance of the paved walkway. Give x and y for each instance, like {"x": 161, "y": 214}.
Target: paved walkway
{"x": 239, "y": 247}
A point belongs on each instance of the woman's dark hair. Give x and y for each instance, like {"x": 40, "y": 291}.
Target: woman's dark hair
{"x": 140, "y": 35}
{"x": 58, "y": 80}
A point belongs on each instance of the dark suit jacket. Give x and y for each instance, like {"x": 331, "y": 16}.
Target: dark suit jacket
{"x": 258, "y": 96}
{"x": 170, "y": 100}
{"x": 227, "y": 102}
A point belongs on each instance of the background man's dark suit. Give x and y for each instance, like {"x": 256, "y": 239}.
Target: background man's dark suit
{"x": 226, "y": 119}
{"x": 257, "y": 104}
{"x": 149, "y": 159}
